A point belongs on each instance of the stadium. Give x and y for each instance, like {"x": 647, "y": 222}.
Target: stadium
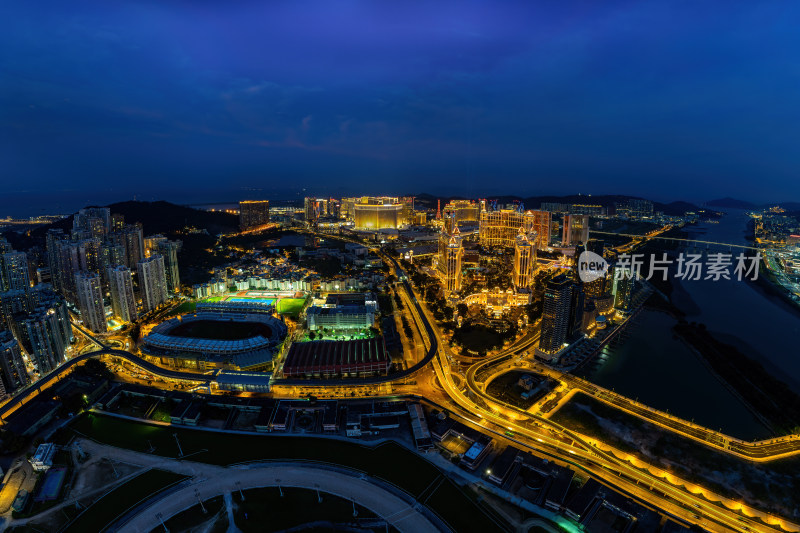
{"x": 231, "y": 335}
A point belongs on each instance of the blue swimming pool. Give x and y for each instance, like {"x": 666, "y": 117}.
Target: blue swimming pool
{"x": 270, "y": 301}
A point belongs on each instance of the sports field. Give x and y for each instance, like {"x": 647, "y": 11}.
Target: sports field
{"x": 284, "y": 306}
{"x": 290, "y": 306}
{"x": 51, "y": 485}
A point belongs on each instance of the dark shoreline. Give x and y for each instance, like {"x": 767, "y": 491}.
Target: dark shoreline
{"x": 776, "y": 405}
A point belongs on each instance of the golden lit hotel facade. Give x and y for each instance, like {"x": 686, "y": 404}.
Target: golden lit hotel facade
{"x": 500, "y": 228}
{"x": 375, "y": 213}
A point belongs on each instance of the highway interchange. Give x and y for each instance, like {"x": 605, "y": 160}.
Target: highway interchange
{"x": 468, "y": 400}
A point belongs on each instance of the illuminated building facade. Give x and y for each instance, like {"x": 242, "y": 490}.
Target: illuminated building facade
{"x": 575, "y": 230}
{"x": 89, "y": 288}
{"x": 45, "y": 334}
{"x": 623, "y": 290}
{"x": 152, "y": 282}
{"x": 463, "y": 210}
{"x": 347, "y": 208}
{"x": 500, "y": 228}
{"x": 407, "y": 214}
{"x": 320, "y": 207}
{"x": 371, "y": 213}
{"x": 131, "y": 238}
{"x": 151, "y": 244}
{"x": 93, "y": 220}
{"x": 635, "y": 208}
{"x": 253, "y": 213}
{"x": 123, "y": 299}
{"x": 450, "y": 262}
{"x": 12, "y": 366}
{"x": 169, "y": 251}
{"x": 584, "y": 209}
{"x": 14, "y": 274}
{"x": 556, "y": 314}
{"x": 524, "y": 260}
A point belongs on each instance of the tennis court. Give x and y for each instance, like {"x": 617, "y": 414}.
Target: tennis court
{"x": 51, "y": 485}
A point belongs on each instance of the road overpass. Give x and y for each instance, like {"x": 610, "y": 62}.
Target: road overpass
{"x": 758, "y": 451}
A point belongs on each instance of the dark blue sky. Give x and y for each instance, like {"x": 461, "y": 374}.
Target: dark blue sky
{"x": 671, "y": 99}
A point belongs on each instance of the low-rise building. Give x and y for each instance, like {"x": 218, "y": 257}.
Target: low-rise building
{"x": 340, "y": 318}
{"x": 42, "y": 460}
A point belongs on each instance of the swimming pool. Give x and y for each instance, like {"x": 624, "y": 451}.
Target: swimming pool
{"x": 270, "y": 301}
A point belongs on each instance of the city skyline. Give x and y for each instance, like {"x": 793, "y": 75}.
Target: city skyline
{"x": 488, "y": 99}
{"x": 399, "y": 266}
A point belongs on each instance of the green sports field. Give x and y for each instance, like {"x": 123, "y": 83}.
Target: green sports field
{"x": 290, "y": 306}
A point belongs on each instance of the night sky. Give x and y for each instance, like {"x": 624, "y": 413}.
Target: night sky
{"x": 669, "y": 100}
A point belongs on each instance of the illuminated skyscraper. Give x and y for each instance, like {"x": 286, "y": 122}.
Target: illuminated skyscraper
{"x": 55, "y": 239}
{"x": 45, "y": 334}
{"x": 14, "y": 271}
{"x": 524, "y": 260}
{"x": 315, "y": 208}
{"x": 123, "y": 299}
{"x": 453, "y": 257}
{"x": 111, "y": 255}
{"x": 556, "y": 314}
{"x": 152, "y": 282}
{"x": 623, "y": 290}
{"x": 253, "y": 213}
{"x": 575, "y": 230}
{"x": 131, "y": 238}
{"x": 169, "y": 251}
{"x": 450, "y": 255}
{"x": 93, "y": 220}
{"x": 117, "y": 222}
{"x": 89, "y": 288}
{"x": 88, "y": 254}
{"x": 12, "y": 366}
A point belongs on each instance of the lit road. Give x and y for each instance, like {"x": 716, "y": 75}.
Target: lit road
{"x": 760, "y": 451}
{"x": 467, "y": 399}
{"x": 612, "y": 466}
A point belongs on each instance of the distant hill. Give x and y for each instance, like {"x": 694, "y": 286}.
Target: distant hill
{"x": 156, "y": 217}
{"x": 732, "y": 203}
{"x": 534, "y": 202}
{"x": 159, "y": 217}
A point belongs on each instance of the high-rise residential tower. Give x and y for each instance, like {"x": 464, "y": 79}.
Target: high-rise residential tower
{"x": 152, "y": 282}
{"x": 12, "y": 367}
{"x": 14, "y": 275}
{"x": 46, "y": 334}
{"x": 123, "y": 299}
{"x": 169, "y": 251}
{"x": 89, "y": 288}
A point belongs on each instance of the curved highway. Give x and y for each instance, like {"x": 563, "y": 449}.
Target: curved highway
{"x": 614, "y": 467}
